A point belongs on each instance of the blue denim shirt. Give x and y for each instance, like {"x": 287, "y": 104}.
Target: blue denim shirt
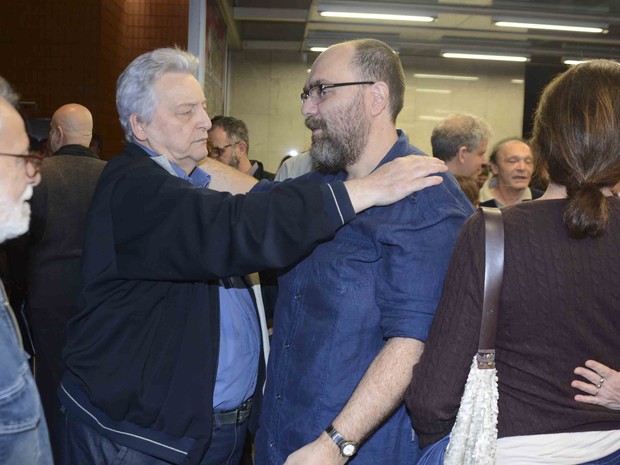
{"x": 380, "y": 277}
{"x": 23, "y": 432}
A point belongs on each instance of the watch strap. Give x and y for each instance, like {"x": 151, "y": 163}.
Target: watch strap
{"x": 347, "y": 448}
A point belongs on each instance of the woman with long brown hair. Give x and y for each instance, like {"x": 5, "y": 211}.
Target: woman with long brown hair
{"x": 560, "y": 294}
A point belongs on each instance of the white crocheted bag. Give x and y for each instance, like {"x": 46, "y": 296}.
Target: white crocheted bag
{"x": 473, "y": 440}
{"x": 474, "y": 435}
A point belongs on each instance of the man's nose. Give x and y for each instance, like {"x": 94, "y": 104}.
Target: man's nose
{"x": 205, "y": 121}
{"x": 308, "y": 108}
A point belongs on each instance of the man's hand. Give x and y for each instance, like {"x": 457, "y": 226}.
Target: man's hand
{"x": 602, "y": 385}
{"x": 321, "y": 451}
{"x": 394, "y": 181}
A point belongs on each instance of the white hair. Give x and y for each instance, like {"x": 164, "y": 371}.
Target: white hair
{"x": 134, "y": 88}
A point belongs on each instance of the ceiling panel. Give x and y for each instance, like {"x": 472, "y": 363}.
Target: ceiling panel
{"x": 296, "y": 24}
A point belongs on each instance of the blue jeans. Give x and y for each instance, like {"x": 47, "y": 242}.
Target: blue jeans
{"x": 434, "y": 454}
{"x": 611, "y": 459}
{"x": 83, "y": 445}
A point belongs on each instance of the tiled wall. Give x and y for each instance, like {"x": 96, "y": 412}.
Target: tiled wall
{"x": 265, "y": 88}
{"x": 61, "y": 51}
{"x": 130, "y": 28}
{"x": 50, "y": 51}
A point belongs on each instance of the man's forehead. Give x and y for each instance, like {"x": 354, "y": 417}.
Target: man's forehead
{"x": 331, "y": 66}
{"x": 180, "y": 88}
{"x": 514, "y": 149}
{"x": 217, "y": 132}
{"x": 13, "y": 136}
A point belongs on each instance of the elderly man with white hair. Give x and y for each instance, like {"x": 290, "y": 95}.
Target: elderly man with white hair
{"x": 23, "y": 431}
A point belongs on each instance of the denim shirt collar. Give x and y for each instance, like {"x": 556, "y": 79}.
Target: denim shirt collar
{"x": 197, "y": 177}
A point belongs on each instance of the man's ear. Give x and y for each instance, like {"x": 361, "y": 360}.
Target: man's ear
{"x": 243, "y": 147}
{"x": 58, "y": 134}
{"x": 494, "y": 168}
{"x": 55, "y": 137}
{"x": 380, "y": 98}
{"x": 460, "y": 155}
{"x": 137, "y": 126}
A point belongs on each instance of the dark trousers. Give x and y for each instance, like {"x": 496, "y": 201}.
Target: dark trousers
{"x": 83, "y": 445}
{"x": 47, "y": 326}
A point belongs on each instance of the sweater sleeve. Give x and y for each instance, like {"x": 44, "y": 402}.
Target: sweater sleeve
{"x": 166, "y": 229}
{"x": 438, "y": 381}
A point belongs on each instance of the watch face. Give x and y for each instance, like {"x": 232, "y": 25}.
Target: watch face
{"x": 348, "y": 450}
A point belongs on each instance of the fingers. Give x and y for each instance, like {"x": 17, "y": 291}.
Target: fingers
{"x": 590, "y": 375}
{"x": 424, "y": 166}
{"x": 595, "y": 372}
{"x": 602, "y": 370}
{"x": 427, "y": 181}
{"x": 588, "y": 388}
{"x": 588, "y": 400}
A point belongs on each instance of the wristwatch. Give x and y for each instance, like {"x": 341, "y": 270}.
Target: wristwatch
{"x": 347, "y": 448}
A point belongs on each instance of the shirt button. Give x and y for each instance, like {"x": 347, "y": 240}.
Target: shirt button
{"x": 278, "y": 397}
{"x": 297, "y": 297}
{"x": 287, "y": 345}
{"x": 272, "y": 444}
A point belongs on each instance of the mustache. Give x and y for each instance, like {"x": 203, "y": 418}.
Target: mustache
{"x": 315, "y": 123}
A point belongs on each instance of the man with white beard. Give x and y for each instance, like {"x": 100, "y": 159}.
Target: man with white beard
{"x": 23, "y": 431}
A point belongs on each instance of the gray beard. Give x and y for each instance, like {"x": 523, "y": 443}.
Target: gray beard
{"x": 14, "y": 220}
{"x": 340, "y": 145}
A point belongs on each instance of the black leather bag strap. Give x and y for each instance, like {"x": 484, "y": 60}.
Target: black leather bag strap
{"x": 493, "y": 276}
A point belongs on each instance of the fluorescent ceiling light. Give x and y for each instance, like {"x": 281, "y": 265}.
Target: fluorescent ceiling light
{"x": 378, "y": 16}
{"x": 517, "y": 81}
{"x": 484, "y": 56}
{"x": 575, "y": 61}
{"x": 445, "y": 76}
{"x": 318, "y": 49}
{"x": 430, "y": 118}
{"x": 433, "y": 91}
{"x": 591, "y": 28}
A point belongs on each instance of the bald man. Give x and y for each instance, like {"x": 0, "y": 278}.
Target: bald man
{"x": 59, "y": 206}
{"x": 72, "y": 124}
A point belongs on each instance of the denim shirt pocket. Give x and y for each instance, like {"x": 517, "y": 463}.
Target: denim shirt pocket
{"x": 19, "y": 402}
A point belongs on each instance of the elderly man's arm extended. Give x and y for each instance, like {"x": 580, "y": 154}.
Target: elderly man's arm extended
{"x": 387, "y": 184}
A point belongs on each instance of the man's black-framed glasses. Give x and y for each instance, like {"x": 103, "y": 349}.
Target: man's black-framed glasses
{"x": 32, "y": 160}
{"x": 316, "y": 93}
{"x": 218, "y": 151}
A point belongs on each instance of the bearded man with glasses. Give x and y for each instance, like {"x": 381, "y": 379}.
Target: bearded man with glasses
{"x": 352, "y": 317}
{"x": 230, "y": 141}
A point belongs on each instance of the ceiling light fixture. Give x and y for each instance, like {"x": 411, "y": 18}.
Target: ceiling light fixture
{"x": 433, "y": 91}
{"x": 592, "y": 28}
{"x": 377, "y": 16}
{"x": 575, "y": 61}
{"x": 387, "y": 13}
{"x": 445, "y": 76}
{"x": 485, "y": 56}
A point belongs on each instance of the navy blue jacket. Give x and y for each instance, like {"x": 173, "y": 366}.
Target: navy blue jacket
{"x": 142, "y": 353}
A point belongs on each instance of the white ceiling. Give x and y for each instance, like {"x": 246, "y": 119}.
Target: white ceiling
{"x": 463, "y": 24}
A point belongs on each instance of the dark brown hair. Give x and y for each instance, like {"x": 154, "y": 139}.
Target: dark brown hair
{"x": 577, "y": 134}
